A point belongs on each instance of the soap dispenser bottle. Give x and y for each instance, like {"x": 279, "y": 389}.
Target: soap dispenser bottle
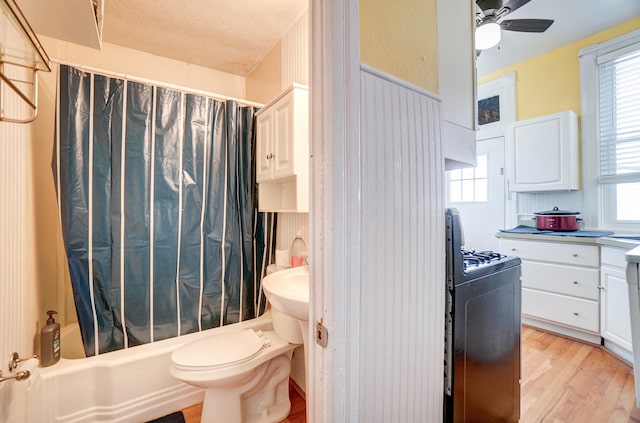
{"x": 50, "y": 341}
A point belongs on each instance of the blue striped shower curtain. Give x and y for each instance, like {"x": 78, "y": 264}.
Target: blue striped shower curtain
{"x": 158, "y": 205}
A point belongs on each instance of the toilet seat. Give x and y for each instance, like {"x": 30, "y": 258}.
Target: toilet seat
{"x": 214, "y": 352}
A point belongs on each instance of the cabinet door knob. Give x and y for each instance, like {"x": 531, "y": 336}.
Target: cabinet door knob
{"x": 575, "y": 254}
{"x": 575, "y": 282}
{"x": 513, "y": 249}
{"x": 575, "y": 314}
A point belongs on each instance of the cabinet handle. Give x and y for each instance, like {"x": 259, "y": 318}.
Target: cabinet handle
{"x": 575, "y": 314}
{"x": 575, "y": 254}
{"x": 513, "y": 249}
{"x": 269, "y": 156}
{"x": 575, "y": 282}
{"x": 601, "y": 287}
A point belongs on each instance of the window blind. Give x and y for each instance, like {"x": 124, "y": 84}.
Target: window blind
{"x": 619, "y": 115}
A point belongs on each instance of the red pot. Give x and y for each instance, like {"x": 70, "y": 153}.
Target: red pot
{"x": 557, "y": 220}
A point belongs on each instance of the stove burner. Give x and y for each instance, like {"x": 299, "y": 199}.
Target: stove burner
{"x": 478, "y": 258}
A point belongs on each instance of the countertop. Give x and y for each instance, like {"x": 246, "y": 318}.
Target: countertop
{"x": 609, "y": 241}
{"x": 633, "y": 256}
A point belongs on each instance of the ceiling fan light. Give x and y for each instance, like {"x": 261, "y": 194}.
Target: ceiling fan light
{"x": 487, "y": 36}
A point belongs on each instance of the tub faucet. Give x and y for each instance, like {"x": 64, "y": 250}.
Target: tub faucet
{"x": 14, "y": 359}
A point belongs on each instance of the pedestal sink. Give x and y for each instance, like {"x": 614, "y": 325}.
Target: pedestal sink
{"x": 288, "y": 293}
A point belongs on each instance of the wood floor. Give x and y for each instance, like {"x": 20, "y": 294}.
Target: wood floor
{"x": 569, "y": 381}
{"x": 564, "y": 381}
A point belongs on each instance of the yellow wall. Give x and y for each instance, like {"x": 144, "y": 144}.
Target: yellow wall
{"x": 399, "y": 38}
{"x": 550, "y": 82}
{"x": 264, "y": 82}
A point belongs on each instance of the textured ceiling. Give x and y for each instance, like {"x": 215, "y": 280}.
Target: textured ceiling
{"x": 229, "y": 35}
{"x": 235, "y": 35}
{"x": 574, "y": 20}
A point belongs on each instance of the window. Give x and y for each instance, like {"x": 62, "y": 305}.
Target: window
{"x": 469, "y": 185}
{"x": 619, "y": 135}
{"x": 610, "y": 129}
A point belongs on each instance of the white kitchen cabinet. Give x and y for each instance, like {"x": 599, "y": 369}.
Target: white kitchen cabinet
{"x": 282, "y": 152}
{"x": 562, "y": 310}
{"x": 615, "y": 326}
{"x": 75, "y": 21}
{"x": 560, "y": 286}
{"x": 542, "y": 153}
{"x": 457, "y": 81}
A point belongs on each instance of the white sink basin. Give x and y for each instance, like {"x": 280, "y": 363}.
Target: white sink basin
{"x": 288, "y": 291}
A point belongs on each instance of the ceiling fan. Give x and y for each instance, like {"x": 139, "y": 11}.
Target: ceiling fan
{"x": 490, "y": 21}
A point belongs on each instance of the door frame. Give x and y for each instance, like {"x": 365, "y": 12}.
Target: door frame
{"x": 335, "y": 218}
{"x": 505, "y": 88}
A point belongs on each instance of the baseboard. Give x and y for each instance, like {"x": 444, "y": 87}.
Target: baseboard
{"x": 574, "y": 334}
{"x": 298, "y": 389}
{"x": 618, "y": 352}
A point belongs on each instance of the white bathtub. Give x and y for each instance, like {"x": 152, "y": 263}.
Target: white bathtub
{"x": 71, "y": 342}
{"x": 132, "y": 385}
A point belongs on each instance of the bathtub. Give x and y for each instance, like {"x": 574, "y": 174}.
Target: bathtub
{"x": 71, "y": 342}
{"x": 132, "y": 385}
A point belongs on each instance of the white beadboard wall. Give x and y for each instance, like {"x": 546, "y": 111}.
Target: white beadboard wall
{"x": 295, "y": 68}
{"x": 402, "y": 249}
{"x": 295, "y": 53}
{"x": 288, "y": 225}
{"x": 13, "y": 241}
{"x": 529, "y": 203}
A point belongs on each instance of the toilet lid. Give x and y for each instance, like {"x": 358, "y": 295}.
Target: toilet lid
{"x": 218, "y": 350}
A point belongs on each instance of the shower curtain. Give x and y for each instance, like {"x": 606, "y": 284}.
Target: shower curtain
{"x": 158, "y": 205}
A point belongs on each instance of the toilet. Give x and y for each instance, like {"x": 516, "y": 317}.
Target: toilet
{"x": 245, "y": 375}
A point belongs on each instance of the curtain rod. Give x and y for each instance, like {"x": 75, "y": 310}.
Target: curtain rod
{"x": 134, "y": 78}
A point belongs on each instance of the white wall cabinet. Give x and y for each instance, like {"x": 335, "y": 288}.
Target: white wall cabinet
{"x": 560, "y": 286}
{"x": 615, "y": 325}
{"x": 275, "y": 140}
{"x": 282, "y": 152}
{"x": 542, "y": 153}
{"x": 457, "y": 81}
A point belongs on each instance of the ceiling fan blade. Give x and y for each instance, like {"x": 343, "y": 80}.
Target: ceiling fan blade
{"x": 514, "y": 4}
{"x": 526, "y": 25}
{"x": 489, "y": 4}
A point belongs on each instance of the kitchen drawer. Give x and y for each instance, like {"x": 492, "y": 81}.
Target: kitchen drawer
{"x": 557, "y": 252}
{"x": 613, "y": 257}
{"x": 562, "y": 279}
{"x": 576, "y": 312}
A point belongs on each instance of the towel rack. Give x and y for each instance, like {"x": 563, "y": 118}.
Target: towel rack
{"x": 21, "y": 57}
